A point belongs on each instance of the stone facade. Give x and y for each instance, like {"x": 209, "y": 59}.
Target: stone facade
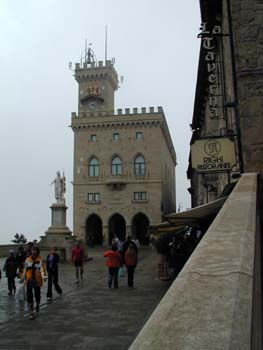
{"x": 124, "y": 162}
{"x": 236, "y": 101}
{"x": 247, "y": 26}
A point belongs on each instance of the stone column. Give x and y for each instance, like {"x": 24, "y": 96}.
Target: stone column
{"x": 105, "y": 233}
{"x": 128, "y": 230}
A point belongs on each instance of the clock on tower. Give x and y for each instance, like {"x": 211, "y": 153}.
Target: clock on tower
{"x": 98, "y": 82}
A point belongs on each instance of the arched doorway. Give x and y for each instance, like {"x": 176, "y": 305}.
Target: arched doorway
{"x": 140, "y": 224}
{"x": 94, "y": 230}
{"x": 117, "y": 226}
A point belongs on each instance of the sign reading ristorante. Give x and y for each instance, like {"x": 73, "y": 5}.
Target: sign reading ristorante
{"x": 213, "y": 154}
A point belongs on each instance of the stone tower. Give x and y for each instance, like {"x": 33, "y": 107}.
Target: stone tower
{"x": 97, "y": 85}
{"x": 124, "y": 161}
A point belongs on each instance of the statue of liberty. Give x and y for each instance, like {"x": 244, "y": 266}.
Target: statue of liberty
{"x": 60, "y": 187}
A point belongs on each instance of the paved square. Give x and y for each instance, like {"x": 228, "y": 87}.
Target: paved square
{"x": 88, "y": 316}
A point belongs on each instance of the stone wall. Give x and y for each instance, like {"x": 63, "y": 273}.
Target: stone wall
{"x": 4, "y": 248}
{"x": 209, "y": 306}
{"x": 44, "y": 251}
{"x": 247, "y": 24}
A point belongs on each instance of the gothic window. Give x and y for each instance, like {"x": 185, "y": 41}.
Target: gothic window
{"x": 139, "y": 166}
{"x": 139, "y": 135}
{"x": 116, "y": 166}
{"x": 94, "y": 167}
{"x": 116, "y": 136}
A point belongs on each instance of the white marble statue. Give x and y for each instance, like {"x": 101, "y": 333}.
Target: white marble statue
{"x": 60, "y": 187}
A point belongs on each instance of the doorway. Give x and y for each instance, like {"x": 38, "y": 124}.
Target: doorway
{"x": 140, "y": 225}
{"x": 94, "y": 230}
{"x": 117, "y": 226}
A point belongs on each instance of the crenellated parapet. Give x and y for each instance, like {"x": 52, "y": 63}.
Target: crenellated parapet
{"x": 142, "y": 110}
{"x": 95, "y": 71}
{"x": 99, "y": 64}
{"x": 120, "y": 112}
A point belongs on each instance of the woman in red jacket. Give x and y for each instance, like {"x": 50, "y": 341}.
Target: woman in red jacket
{"x": 130, "y": 260}
{"x": 113, "y": 262}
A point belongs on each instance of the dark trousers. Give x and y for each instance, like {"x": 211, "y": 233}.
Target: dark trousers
{"x": 130, "y": 270}
{"x": 53, "y": 278}
{"x": 113, "y": 275}
{"x": 30, "y": 298}
{"x": 79, "y": 268}
{"x": 11, "y": 284}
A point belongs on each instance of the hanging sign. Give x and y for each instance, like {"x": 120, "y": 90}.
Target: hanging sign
{"x": 209, "y": 44}
{"x": 213, "y": 154}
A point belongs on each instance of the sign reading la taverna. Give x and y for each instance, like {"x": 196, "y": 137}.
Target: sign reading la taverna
{"x": 213, "y": 154}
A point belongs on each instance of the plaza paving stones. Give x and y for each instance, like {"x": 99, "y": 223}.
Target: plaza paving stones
{"x": 87, "y": 316}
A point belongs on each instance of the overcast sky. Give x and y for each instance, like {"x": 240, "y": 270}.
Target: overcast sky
{"x": 156, "y": 50}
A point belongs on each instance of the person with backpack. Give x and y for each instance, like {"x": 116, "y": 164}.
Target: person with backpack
{"x": 113, "y": 263}
{"x": 52, "y": 270}
{"x": 126, "y": 245}
{"x": 130, "y": 260}
{"x": 33, "y": 276}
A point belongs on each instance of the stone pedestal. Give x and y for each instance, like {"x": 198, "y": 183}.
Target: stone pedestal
{"x": 58, "y": 233}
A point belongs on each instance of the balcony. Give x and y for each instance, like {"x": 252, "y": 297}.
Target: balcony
{"x": 117, "y": 182}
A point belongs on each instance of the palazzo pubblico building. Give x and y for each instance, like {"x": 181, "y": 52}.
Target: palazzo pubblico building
{"x": 124, "y": 160}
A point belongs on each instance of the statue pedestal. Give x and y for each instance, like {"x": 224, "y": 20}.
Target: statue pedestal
{"x": 58, "y": 232}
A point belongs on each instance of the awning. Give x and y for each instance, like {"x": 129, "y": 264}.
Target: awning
{"x": 192, "y": 217}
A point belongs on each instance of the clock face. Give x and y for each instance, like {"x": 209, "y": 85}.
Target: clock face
{"x": 92, "y": 105}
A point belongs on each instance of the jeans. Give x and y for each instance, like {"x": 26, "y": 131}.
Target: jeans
{"x": 113, "y": 275}
{"x": 130, "y": 270}
{"x": 53, "y": 278}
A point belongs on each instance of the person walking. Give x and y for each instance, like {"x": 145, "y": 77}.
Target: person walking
{"x": 126, "y": 246}
{"x": 78, "y": 257}
{"x": 52, "y": 270}
{"x": 10, "y": 268}
{"x": 116, "y": 241}
{"x": 28, "y": 252}
{"x": 113, "y": 263}
{"x": 20, "y": 260}
{"x": 33, "y": 276}
{"x": 130, "y": 260}
{"x": 137, "y": 242}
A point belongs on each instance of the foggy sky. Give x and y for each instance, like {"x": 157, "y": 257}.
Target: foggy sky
{"x": 156, "y": 50}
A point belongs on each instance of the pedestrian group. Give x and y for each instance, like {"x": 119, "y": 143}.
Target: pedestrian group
{"x": 32, "y": 271}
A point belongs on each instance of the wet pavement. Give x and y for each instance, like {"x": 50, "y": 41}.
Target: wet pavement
{"x": 87, "y": 316}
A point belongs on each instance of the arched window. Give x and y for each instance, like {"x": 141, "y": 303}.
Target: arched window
{"x": 116, "y": 166}
{"x": 94, "y": 167}
{"x": 139, "y": 166}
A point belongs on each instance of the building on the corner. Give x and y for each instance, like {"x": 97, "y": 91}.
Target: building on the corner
{"x": 124, "y": 160}
{"x": 227, "y": 128}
